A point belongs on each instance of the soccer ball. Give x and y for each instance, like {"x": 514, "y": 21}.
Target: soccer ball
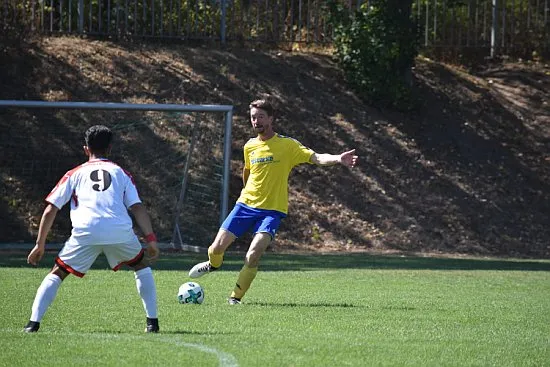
{"x": 190, "y": 292}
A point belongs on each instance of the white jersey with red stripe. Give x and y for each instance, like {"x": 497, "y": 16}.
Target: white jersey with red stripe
{"x": 100, "y": 192}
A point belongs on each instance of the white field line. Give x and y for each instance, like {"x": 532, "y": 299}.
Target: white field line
{"x": 224, "y": 359}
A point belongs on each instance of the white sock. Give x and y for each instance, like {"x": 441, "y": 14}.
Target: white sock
{"x": 147, "y": 291}
{"x": 44, "y": 296}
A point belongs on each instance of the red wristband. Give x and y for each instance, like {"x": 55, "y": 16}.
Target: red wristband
{"x": 151, "y": 237}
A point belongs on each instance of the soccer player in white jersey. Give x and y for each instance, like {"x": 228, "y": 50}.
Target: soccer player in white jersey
{"x": 100, "y": 194}
{"x": 268, "y": 160}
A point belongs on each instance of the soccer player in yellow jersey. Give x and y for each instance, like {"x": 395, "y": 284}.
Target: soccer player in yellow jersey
{"x": 268, "y": 160}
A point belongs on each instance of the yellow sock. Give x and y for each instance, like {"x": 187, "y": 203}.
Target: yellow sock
{"x": 246, "y": 276}
{"x": 216, "y": 260}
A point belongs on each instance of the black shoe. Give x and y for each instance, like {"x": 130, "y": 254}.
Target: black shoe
{"x": 152, "y": 325}
{"x": 32, "y": 327}
{"x": 234, "y": 301}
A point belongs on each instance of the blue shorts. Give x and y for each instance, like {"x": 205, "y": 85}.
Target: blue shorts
{"x": 244, "y": 218}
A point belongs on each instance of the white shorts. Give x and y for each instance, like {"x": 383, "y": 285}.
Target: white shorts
{"x": 78, "y": 259}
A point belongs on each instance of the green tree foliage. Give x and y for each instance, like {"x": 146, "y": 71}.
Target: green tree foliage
{"x": 376, "y": 47}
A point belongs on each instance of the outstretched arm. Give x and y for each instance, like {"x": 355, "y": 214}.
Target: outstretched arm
{"x": 348, "y": 159}
{"x": 144, "y": 223}
{"x": 46, "y": 223}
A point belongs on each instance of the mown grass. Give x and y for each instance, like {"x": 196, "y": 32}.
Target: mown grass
{"x": 341, "y": 310}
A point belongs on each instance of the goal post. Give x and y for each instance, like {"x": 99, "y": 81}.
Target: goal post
{"x": 179, "y": 155}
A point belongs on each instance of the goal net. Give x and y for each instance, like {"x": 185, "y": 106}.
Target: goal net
{"x": 178, "y": 155}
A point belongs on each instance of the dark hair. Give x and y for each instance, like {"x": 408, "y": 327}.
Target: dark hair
{"x": 263, "y": 104}
{"x": 98, "y": 138}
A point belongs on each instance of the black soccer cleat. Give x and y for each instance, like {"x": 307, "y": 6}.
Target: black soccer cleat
{"x": 152, "y": 325}
{"x": 234, "y": 301}
{"x": 32, "y": 327}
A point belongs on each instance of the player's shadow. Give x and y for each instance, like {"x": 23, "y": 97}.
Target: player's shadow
{"x": 187, "y": 332}
{"x": 398, "y": 308}
{"x": 293, "y": 304}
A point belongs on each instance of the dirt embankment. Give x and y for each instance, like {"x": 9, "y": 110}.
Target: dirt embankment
{"x": 468, "y": 172}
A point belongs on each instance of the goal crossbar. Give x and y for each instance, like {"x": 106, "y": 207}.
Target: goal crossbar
{"x": 118, "y": 106}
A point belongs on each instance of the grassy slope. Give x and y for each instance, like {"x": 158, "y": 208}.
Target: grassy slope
{"x": 467, "y": 173}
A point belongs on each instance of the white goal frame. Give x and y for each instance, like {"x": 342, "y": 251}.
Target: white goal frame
{"x": 227, "y": 110}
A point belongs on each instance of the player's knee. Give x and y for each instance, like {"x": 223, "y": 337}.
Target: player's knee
{"x": 142, "y": 264}
{"x": 60, "y": 272}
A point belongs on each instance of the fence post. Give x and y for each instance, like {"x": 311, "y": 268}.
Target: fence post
{"x": 222, "y": 25}
{"x": 494, "y": 27}
{"x": 546, "y": 10}
{"x": 80, "y": 16}
{"x": 426, "y": 30}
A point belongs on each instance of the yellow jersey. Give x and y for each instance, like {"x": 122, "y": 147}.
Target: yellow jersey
{"x": 270, "y": 163}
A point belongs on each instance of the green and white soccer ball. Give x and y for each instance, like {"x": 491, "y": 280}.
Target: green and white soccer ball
{"x": 190, "y": 292}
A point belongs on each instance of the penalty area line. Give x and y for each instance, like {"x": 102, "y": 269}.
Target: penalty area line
{"x": 224, "y": 359}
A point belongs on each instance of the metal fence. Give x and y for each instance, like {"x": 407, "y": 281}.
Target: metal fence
{"x": 499, "y": 25}
{"x": 223, "y": 20}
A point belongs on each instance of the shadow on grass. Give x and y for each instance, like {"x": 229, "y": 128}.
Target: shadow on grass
{"x": 398, "y": 308}
{"x": 287, "y": 262}
{"x": 308, "y": 305}
{"x": 187, "y": 332}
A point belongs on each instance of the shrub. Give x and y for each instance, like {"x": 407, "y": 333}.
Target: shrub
{"x": 376, "y": 46}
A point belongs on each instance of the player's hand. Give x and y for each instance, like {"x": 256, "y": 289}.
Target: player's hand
{"x": 152, "y": 251}
{"x": 35, "y": 255}
{"x": 349, "y": 158}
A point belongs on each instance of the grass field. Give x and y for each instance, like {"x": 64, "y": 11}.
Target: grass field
{"x": 323, "y": 310}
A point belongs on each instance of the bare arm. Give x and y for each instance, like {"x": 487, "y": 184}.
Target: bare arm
{"x": 46, "y": 222}
{"x": 142, "y": 218}
{"x": 144, "y": 223}
{"x": 348, "y": 159}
